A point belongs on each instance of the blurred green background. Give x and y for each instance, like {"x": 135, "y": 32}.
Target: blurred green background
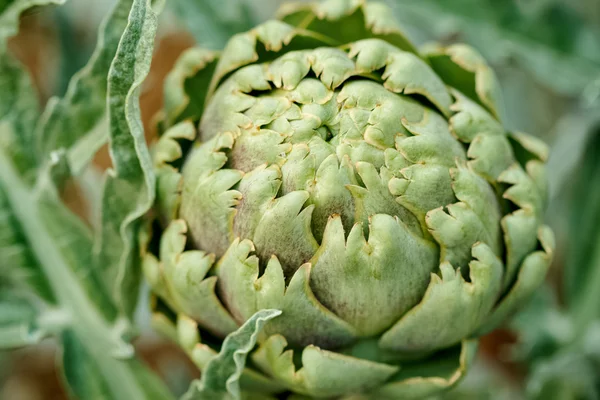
{"x": 547, "y": 56}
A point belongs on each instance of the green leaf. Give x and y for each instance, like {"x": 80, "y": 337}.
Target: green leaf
{"x": 25, "y": 319}
{"x": 9, "y": 18}
{"x": 49, "y": 240}
{"x": 555, "y": 44}
{"x": 89, "y": 380}
{"x": 59, "y": 244}
{"x": 213, "y": 22}
{"x": 568, "y": 151}
{"x": 18, "y": 113}
{"x": 19, "y": 103}
{"x": 17, "y": 321}
{"x": 483, "y": 382}
{"x": 565, "y": 375}
{"x": 541, "y": 326}
{"x": 220, "y": 378}
{"x": 582, "y": 271}
{"x": 129, "y": 187}
{"x": 74, "y": 239}
{"x": 75, "y": 122}
{"x": 19, "y": 267}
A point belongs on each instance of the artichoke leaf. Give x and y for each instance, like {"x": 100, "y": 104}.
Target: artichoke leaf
{"x": 289, "y": 221}
{"x": 471, "y": 119}
{"x": 330, "y": 195}
{"x": 208, "y": 187}
{"x": 490, "y": 155}
{"x": 221, "y": 376}
{"x": 422, "y": 187}
{"x": 188, "y": 336}
{"x": 375, "y": 198}
{"x": 520, "y": 227}
{"x": 520, "y": 238}
{"x": 253, "y": 149}
{"x": 463, "y": 68}
{"x": 323, "y": 373}
{"x": 303, "y": 321}
{"x": 536, "y": 149}
{"x": 451, "y": 308}
{"x": 470, "y": 220}
{"x": 168, "y": 148}
{"x": 332, "y": 66}
{"x": 436, "y": 374}
{"x": 362, "y": 151}
{"x": 404, "y": 71}
{"x": 353, "y": 277}
{"x": 185, "y": 87}
{"x": 169, "y": 182}
{"x": 237, "y": 271}
{"x": 430, "y": 141}
{"x": 531, "y": 274}
{"x": 180, "y": 278}
{"x": 288, "y": 70}
{"x": 346, "y": 21}
{"x": 276, "y": 37}
{"x": 258, "y": 190}
{"x": 523, "y": 190}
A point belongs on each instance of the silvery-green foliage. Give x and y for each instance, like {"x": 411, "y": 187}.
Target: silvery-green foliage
{"x": 60, "y": 278}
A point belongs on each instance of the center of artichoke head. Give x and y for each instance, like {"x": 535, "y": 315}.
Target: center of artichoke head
{"x": 279, "y": 163}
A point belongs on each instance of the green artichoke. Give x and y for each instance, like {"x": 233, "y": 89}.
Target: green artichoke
{"x": 322, "y": 166}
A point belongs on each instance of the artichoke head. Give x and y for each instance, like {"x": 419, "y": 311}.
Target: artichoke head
{"x": 322, "y": 166}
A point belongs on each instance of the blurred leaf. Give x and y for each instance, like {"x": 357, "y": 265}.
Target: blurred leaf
{"x": 561, "y": 364}
{"x": 554, "y": 43}
{"x": 89, "y": 379}
{"x": 10, "y": 13}
{"x": 40, "y": 236}
{"x": 220, "y": 378}
{"x": 74, "y": 45}
{"x": 53, "y": 238}
{"x": 72, "y": 237}
{"x": 582, "y": 271}
{"x": 90, "y": 183}
{"x": 567, "y": 375}
{"x": 62, "y": 250}
{"x": 213, "y": 22}
{"x": 542, "y": 328}
{"x": 70, "y": 122}
{"x": 483, "y": 382}
{"x": 19, "y": 267}
{"x": 129, "y": 188}
{"x": 573, "y": 132}
{"x": 18, "y": 113}
{"x": 17, "y": 321}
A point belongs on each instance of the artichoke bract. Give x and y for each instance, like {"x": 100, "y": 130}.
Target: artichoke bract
{"x": 322, "y": 166}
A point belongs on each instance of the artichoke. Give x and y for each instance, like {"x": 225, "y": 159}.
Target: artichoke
{"x": 322, "y": 166}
